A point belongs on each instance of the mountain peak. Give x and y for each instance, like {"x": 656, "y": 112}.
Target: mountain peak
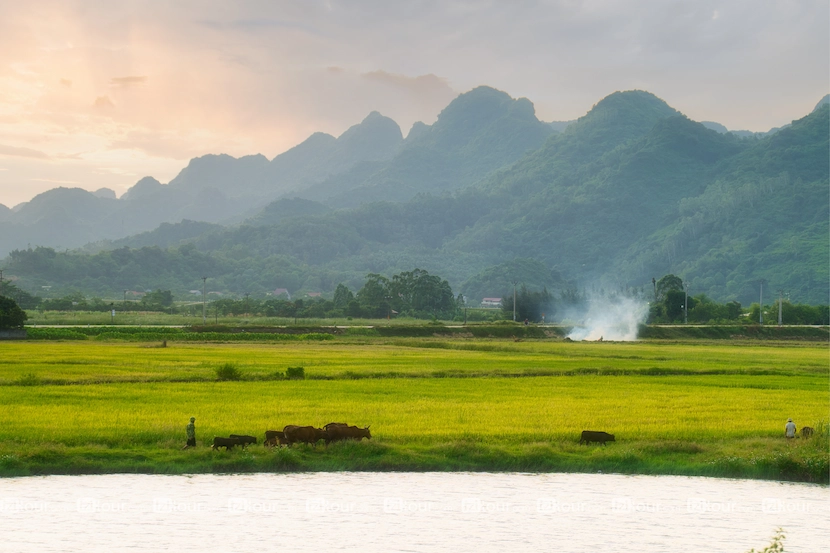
{"x": 376, "y": 137}
{"x": 373, "y": 127}
{"x": 617, "y": 118}
{"x": 634, "y": 102}
{"x": 823, "y": 101}
{"x": 106, "y": 193}
{"x": 144, "y": 187}
{"x": 419, "y": 128}
{"x": 481, "y": 103}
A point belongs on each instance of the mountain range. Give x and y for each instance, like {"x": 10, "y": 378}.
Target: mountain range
{"x": 485, "y": 195}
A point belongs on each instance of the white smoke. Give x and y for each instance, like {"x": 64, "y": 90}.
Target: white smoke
{"x": 610, "y": 319}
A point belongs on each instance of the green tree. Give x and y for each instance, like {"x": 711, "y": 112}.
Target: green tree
{"x": 529, "y": 305}
{"x": 342, "y": 296}
{"x": 11, "y": 316}
{"x": 420, "y": 294}
{"x": 163, "y": 298}
{"x": 375, "y": 295}
{"x": 666, "y": 284}
{"x": 674, "y": 303}
{"x": 23, "y": 298}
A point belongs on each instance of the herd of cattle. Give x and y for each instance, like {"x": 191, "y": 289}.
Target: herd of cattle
{"x": 340, "y": 431}
{"x": 292, "y": 434}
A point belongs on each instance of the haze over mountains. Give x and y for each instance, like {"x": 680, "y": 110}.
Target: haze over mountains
{"x": 630, "y": 191}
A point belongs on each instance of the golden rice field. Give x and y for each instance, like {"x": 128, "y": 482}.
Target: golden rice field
{"x": 130, "y": 361}
{"x": 432, "y": 404}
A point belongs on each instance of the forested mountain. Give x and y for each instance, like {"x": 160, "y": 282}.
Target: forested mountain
{"x": 212, "y": 188}
{"x": 488, "y": 195}
{"x": 762, "y": 216}
{"x": 479, "y": 131}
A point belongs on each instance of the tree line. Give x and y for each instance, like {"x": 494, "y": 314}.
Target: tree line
{"x": 420, "y": 295}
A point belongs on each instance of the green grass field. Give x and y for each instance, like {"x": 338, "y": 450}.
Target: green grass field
{"x": 433, "y": 404}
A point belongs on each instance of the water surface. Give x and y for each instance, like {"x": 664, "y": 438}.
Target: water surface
{"x": 379, "y": 512}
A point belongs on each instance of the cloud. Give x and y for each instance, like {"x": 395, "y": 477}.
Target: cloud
{"x": 127, "y": 81}
{"x": 257, "y": 24}
{"x": 261, "y": 76}
{"x": 103, "y": 102}
{"x": 424, "y": 84}
{"x": 157, "y": 144}
{"x": 56, "y": 181}
{"x": 13, "y": 151}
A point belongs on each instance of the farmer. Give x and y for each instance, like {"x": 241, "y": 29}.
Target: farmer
{"x": 789, "y": 429}
{"x": 191, "y": 433}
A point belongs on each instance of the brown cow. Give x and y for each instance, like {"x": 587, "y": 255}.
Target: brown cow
{"x": 589, "y": 436}
{"x": 305, "y": 434}
{"x": 274, "y": 438}
{"x": 227, "y": 443}
{"x": 336, "y": 432}
{"x": 806, "y": 432}
{"x": 244, "y": 440}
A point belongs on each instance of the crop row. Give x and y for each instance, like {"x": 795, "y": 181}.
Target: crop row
{"x": 130, "y": 334}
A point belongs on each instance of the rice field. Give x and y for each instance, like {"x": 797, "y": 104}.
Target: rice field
{"x": 88, "y": 362}
{"x": 432, "y": 404}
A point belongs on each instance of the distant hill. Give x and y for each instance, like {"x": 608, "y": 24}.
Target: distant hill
{"x": 167, "y": 235}
{"x": 287, "y": 208}
{"x": 212, "y": 188}
{"x": 376, "y": 138}
{"x": 107, "y": 193}
{"x": 477, "y": 133}
{"x": 559, "y": 126}
{"x": 763, "y": 215}
{"x": 629, "y": 192}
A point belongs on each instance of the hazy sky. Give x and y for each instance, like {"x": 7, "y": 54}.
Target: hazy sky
{"x": 101, "y": 93}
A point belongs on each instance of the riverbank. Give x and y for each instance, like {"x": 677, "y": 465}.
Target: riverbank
{"x": 753, "y": 458}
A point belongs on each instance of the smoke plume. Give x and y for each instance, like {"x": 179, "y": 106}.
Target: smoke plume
{"x": 610, "y": 319}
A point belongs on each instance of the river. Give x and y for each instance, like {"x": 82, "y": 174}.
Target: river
{"x": 380, "y": 512}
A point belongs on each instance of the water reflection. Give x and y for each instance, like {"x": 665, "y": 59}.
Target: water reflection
{"x": 407, "y": 512}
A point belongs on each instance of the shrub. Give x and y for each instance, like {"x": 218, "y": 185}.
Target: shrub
{"x": 775, "y": 546}
{"x": 29, "y": 379}
{"x": 228, "y": 371}
{"x": 11, "y": 316}
{"x": 295, "y": 373}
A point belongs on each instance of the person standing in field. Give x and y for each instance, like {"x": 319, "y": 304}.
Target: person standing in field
{"x": 789, "y": 429}
{"x": 191, "y": 433}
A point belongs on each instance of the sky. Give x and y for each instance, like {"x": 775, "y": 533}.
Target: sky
{"x": 100, "y": 94}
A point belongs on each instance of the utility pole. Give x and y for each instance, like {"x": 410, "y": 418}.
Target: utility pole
{"x": 686, "y": 304}
{"x": 761, "y": 304}
{"x": 780, "y": 306}
{"x": 514, "y": 300}
{"x": 204, "y": 300}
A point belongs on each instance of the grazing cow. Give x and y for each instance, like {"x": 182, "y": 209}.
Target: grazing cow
{"x": 244, "y": 440}
{"x": 335, "y": 424}
{"x": 806, "y": 432}
{"x": 305, "y": 434}
{"x": 336, "y": 432}
{"x": 227, "y": 443}
{"x": 274, "y": 438}
{"x": 589, "y": 436}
